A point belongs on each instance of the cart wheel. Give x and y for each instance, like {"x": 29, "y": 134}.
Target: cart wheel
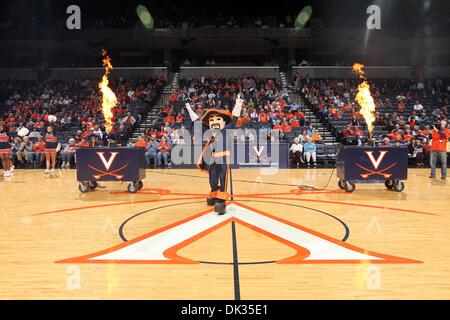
{"x": 398, "y": 186}
{"x": 84, "y": 187}
{"x": 389, "y": 184}
{"x": 133, "y": 187}
{"x": 341, "y": 184}
{"x": 92, "y": 184}
{"x": 140, "y": 185}
{"x": 350, "y": 186}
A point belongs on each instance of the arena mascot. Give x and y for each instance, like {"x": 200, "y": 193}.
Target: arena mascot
{"x": 215, "y": 156}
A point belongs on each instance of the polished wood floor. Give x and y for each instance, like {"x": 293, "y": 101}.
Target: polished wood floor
{"x": 51, "y": 234}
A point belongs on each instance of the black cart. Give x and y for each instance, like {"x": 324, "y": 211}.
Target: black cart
{"x": 110, "y": 164}
{"x": 388, "y": 165}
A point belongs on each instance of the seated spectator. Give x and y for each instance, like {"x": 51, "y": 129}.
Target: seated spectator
{"x": 129, "y": 119}
{"x": 347, "y": 131}
{"x": 407, "y": 136}
{"x": 416, "y": 151}
{"x": 311, "y": 130}
{"x": 395, "y": 135}
{"x": 358, "y": 140}
{"x": 316, "y": 137}
{"x": 385, "y": 142}
{"x": 371, "y": 141}
{"x": 179, "y": 118}
{"x": 296, "y": 151}
{"x": 163, "y": 152}
{"x": 35, "y": 133}
{"x": 68, "y": 153}
{"x": 15, "y": 147}
{"x": 94, "y": 141}
{"x": 24, "y": 153}
{"x": 294, "y": 123}
{"x": 285, "y": 127}
{"x": 121, "y": 136}
{"x": 97, "y": 131}
{"x": 418, "y": 107}
{"x": 83, "y": 143}
{"x": 357, "y": 130}
{"x": 169, "y": 119}
{"x": 141, "y": 142}
{"x": 38, "y": 152}
{"x": 152, "y": 151}
{"x": 309, "y": 148}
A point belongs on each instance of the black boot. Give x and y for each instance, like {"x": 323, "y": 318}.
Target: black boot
{"x": 210, "y": 201}
{"x": 220, "y": 207}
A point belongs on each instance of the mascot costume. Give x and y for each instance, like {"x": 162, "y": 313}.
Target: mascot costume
{"x": 215, "y": 156}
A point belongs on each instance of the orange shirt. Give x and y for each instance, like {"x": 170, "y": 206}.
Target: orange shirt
{"x": 277, "y": 127}
{"x": 299, "y": 114}
{"x": 83, "y": 143}
{"x": 163, "y": 147}
{"x": 179, "y": 118}
{"x": 141, "y": 143}
{"x": 316, "y": 137}
{"x": 263, "y": 117}
{"x": 169, "y": 119}
{"x": 438, "y": 142}
{"x": 345, "y": 107}
{"x": 39, "y": 146}
{"x": 294, "y": 123}
{"x": 286, "y": 128}
{"x": 407, "y": 137}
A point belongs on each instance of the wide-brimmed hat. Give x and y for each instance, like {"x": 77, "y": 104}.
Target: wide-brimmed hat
{"x": 225, "y": 114}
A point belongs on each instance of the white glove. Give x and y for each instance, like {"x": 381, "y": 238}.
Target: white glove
{"x": 191, "y": 112}
{"x": 238, "y": 106}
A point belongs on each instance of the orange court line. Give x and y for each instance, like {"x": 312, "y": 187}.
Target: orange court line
{"x": 347, "y": 204}
{"x": 116, "y": 204}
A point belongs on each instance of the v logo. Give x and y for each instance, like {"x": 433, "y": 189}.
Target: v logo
{"x": 108, "y": 163}
{"x": 376, "y": 162}
{"x": 258, "y": 151}
{"x": 162, "y": 245}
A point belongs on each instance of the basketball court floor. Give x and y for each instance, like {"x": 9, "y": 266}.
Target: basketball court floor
{"x": 277, "y": 241}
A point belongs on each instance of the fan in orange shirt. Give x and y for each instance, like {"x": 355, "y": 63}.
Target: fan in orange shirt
{"x": 285, "y": 127}
{"x": 179, "y": 118}
{"x": 277, "y": 126}
{"x": 294, "y": 122}
{"x": 141, "y": 142}
{"x": 170, "y": 118}
{"x": 316, "y": 137}
{"x": 438, "y": 141}
{"x": 263, "y": 118}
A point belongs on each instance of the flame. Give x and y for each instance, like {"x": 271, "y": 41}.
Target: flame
{"x": 109, "y": 99}
{"x": 364, "y": 98}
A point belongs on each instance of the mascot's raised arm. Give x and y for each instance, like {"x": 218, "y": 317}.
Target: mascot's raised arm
{"x": 216, "y": 152}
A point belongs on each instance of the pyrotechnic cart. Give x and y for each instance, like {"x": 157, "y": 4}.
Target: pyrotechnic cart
{"x": 388, "y": 165}
{"x": 110, "y": 164}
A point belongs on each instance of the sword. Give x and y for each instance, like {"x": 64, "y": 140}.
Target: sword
{"x": 111, "y": 173}
{"x": 372, "y": 172}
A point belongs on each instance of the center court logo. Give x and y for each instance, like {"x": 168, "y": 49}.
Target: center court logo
{"x": 161, "y": 246}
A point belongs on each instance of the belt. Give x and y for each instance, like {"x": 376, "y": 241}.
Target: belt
{"x": 220, "y": 154}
